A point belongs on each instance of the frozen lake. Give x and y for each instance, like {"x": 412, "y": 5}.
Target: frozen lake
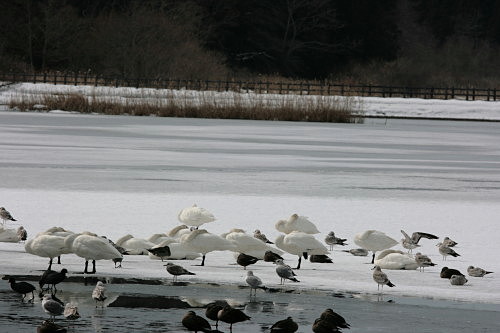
{"x": 116, "y": 175}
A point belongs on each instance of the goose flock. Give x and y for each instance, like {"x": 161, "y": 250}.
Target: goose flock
{"x": 191, "y": 240}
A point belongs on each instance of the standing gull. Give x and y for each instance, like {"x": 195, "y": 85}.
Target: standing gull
{"x": 5, "y": 215}
{"x": 195, "y": 216}
{"x": 285, "y": 272}
{"x": 410, "y": 243}
{"x": 98, "y": 293}
{"x": 374, "y": 240}
{"x": 231, "y": 316}
{"x": 446, "y": 251}
{"x": 381, "y": 278}
{"x": 213, "y": 310}
{"x": 254, "y": 282}
{"x": 22, "y": 288}
{"x": 477, "y": 271}
{"x": 449, "y": 242}
{"x": 423, "y": 261}
{"x": 332, "y": 240}
{"x": 71, "y": 311}
{"x": 52, "y": 307}
{"x": 246, "y": 260}
{"x": 177, "y": 270}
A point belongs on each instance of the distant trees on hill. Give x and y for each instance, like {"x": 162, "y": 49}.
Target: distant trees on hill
{"x": 405, "y": 42}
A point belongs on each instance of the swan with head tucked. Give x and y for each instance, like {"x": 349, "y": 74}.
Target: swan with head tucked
{"x": 134, "y": 245}
{"x": 91, "y": 247}
{"x": 201, "y": 241}
{"x": 395, "y": 259}
{"x": 248, "y": 244}
{"x": 296, "y": 223}
{"x": 178, "y": 231}
{"x": 300, "y": 244}
{"x": 8, "y": 235}
{"x": 47, "y": 246}
{"x": 374, "y": 240}
{"x": 195, "y": 216}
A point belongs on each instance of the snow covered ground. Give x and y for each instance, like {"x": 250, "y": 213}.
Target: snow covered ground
{"x": 369, "y": 106}
{"x": 125, "y": 175}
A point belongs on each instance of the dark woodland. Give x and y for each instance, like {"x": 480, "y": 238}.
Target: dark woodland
{"x": 407, "y": 42}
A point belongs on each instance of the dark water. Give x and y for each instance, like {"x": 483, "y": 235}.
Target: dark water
{"x": 160, "y": 308}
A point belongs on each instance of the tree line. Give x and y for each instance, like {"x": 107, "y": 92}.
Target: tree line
{"x": 397, "y": 42}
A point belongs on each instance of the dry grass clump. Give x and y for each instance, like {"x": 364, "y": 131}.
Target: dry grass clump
{"x": 254, "y": 107}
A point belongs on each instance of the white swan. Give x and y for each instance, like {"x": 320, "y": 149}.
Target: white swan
{"x": 296, "y": 223}
{"x": 178, "y": 231}
{"x": 248, "y": 244}
{"x": 91, "y": 247}
{"x": 47, "y": 246}
{"x": 177, "y": 251}
{"x": 8, "y": 235}
{"x": 203, "y": 242}
{"x": 134, "y": 245}
{"x": 373, "y": 240}
{"x": 158, "y": 238}
{"x": 195, "y": 216}
{"x": 300, "y": 244}
{"x": 395, "y": 259}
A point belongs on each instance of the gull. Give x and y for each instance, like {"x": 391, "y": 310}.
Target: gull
{"x": 270, "y": 256}
{"x": 5, "y": 215}
{"x": 91, "y": 247}
{"x": 160, "y": 251}
{"x": 300, "y": 244}
{"x": 22, "y": 234}
{"x": 357, "y": 252}
{"x": 458, "y": 280}
{"x": 334, "y": 318}
{"x": 446, "y": 273}
{"x": 22, "y": 288}
{"x": 332, "y": 240}
{"x": 246, "y": 260}
{"x": 71, "y": 311}
{"x": 285, "y": 326}
{"x": 381, "y": 278}
{"x": 257, "y": 234}
{"x": 449, "y": 242}
{"x": 477, "y": 271}
{"x": 423, "y": 261}
{"x": 254, "y": 282}
{"x": 201, "y": 241}
{"x": 374, "y": 240}
{"x": 412, "y": 242}
{"x": 320, "y": 258}
{"x": 446, "y": 251}
{"x": 231, "y": 316}
{"x": 195, "y": 323}
{"x": 98, "y": 293}
{"x": 285, "y": 272}
{"x": 195, "y": 216}
{"x": 296, "y": 223}
{"x": 52, "y": 307}
{"x": 177, "y": 270}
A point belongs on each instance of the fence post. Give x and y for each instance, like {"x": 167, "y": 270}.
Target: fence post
{"x": 488, "y": 94}
{"x": 473, "y": 94}
{"x": 44, "y": 77}
{"x": 495, "y": 94}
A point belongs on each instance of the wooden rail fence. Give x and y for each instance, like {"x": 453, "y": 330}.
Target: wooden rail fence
{"x": 260, "y": 87}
